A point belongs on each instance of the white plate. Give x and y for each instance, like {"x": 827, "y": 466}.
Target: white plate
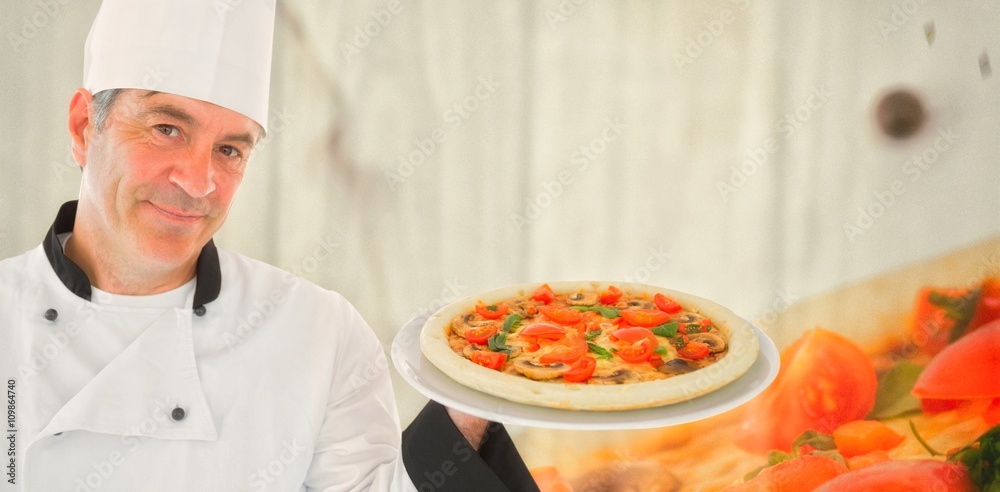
{"x": 436, "y": 385}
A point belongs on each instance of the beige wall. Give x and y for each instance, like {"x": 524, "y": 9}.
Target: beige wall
{"x": 539, "y": 84}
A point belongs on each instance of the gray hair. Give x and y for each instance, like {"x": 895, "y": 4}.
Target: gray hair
{"x": 100, "y": 107}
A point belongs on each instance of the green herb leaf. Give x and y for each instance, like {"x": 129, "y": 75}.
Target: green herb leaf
{"x": 958, "y": 309}
{"x": 819, "y": 442}
{"x": 511, "y": 322}
{"x": 592, "y": 335}
{"x": 660, "y": 350}
{"x": 492, "y": 307}
{"x": 498, "y": 343}
{"x": 601, "y": 352}
{"x": 610, "y": 313}
{"x": 982, "y": 457}
{"x": 893, "y": 398}
{"x": 667, "y": 330}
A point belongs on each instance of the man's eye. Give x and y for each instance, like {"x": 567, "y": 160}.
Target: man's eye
{"x": 229, "y": 151}
{"x": 168, "y": 130}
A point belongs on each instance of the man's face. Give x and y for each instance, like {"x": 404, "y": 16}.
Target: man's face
{"x": 161, "y": 174}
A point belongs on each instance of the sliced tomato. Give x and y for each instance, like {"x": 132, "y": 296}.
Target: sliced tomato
{"x": 992, "y": 413}
{"x": 492, "y": 311}
{"x": 932, "y": 325}
{"x": 610, "y": 295}
{"x": 903, "y": 476}
{"x": 932, "y": 406}
{"x": 646, "y": 318}
{"x": 824, "y": 380}
{"x": 567, "y": 350}
{"x": 533, "y": 347}
{"x": 803, "y": 474}
{"x": 481, "y": 335}
{"x": 864, "y": 436}
{"x": 543, "y": 331}
{"x": 693, "y": 350}
{"x": 490, "y": 360}
{"x": 581, "y": 370}
{"x": 634, "y": 334}
{"x": 988, "y": 308}
{"x": 861, "y": 461}
{"x": 666, "y": 304}
{"x": 655, "y": 360}
{"x": 561, "y": 315}
{"x": 543, "y": 294}
{"x": 965, "y": 370}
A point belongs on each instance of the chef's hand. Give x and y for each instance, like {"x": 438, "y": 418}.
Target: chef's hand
{"x": 473, "y": 428}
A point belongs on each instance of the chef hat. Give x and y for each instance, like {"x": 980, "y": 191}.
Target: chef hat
{"x": 217, "y": 51}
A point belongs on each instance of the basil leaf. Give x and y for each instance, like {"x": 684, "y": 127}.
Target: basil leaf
{"x": 982, "y": 458}
{"x": 581, "y": 308}
{"x": 498, "y": 343}
{"x": 592, "y": 335}
{"x": 666, "y": 330}
{"x": 610, "y": 313}
{"x": 959, "y": 309}
{"x": 893, "y": 398}
{"x": 601, "y": 352}
{"x": 819, "y": 442}
{"x": 511, "y": 322}
{"x": 660, "y": 350}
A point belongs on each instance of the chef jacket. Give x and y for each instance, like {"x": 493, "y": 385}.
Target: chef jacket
{"x": 247, "y": 378}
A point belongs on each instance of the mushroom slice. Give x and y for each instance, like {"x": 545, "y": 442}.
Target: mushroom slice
{"x": 521, "y": 306}
{"x": 714, "y": 342}
{"x": 620, "y": 376}
{"x": 582, "y": 299}
{"x": 465, "y": 322}
{"x": 540, "y": 372}
{"x": 635, "y": 304}
{"x": 674, "y": 367}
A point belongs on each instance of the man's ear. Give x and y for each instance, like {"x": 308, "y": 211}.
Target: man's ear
{"x": 80, "y": 126}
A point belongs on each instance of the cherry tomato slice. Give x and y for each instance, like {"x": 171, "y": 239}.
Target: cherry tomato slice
{"x": 490, "y": 360}
{"x": 567, "y": 350}
{"x": 634, "y": 345}
{"x": 646, "y": 318}
{"x": 655, "y": 360}
{"x": 581, "y": 370}
{"x": 544, "y": 331}
{"x": 865, "y": 436}
{"x": 693, "y": 350}
{"x": 561, "y": 316}
{"x": 486, "y": 312}
{"x": 666, "y": 304}
{"x": 543, "y": 294}
{"x": 481, "y": 335}
{"x": 610, "y": 295}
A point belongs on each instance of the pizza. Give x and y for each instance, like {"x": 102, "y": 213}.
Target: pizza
{"x": 589, "y": 345}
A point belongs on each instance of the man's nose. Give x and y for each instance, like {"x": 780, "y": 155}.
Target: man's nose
{"x": 195, "y": 174}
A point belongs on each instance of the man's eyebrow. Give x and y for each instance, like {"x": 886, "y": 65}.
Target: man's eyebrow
{"x": 169, "y": 111}
{"x": 244, "y": 137}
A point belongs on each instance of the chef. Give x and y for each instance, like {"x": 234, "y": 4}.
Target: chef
{"x": 140, "y": 357}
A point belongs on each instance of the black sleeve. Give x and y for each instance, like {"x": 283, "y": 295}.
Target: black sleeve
{"x": 437, "y": 457}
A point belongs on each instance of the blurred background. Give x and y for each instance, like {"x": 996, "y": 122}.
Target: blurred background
{"x": 754, "y": 153}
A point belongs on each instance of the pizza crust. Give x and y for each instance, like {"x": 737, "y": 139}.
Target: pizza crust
{"x": 743, "y": 349}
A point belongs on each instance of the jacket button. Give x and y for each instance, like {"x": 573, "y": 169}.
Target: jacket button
{"x": 51, "y": 314}
{"x": 200, "y": 311}
{"x": 177, "y": 414}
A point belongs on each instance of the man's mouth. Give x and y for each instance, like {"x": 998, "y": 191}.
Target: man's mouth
{"x": 178, "y": 214}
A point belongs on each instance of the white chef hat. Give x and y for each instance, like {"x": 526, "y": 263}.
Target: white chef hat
{"x": 217, "y": 51}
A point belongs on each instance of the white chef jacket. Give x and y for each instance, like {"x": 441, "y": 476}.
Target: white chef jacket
{"x": 260, "y": 380}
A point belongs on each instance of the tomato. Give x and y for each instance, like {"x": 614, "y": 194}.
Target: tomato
{"x": 855, "y": 462}
{"x": 567, "y": 350}
{"x": 581, "y": 370}
{"x": 611, "y": 295}
{"x": 992, "y": 413}
{"x": 488, "y": 313}
{"x": 989, "y": 304}
{"x": 666, "y": 304}
{"x": 646, "y": 318}
{"x": 965, "y": 370}
{"x": 490, "y": 360}
{"x": 824, "y": 380}
{"x": 635, "y": 344}
{"x": 932, "y": 406}
{"x": 655, "y": 360}
{"x": 562, "y": 316}
{"x": 800, "y": 474}
{"x": 543, "y": 294}
{"x": 864, "y": 436}
{"x": 932, "y": 326}
{"x": 544, "y": 331}
{"x": 903, "y": 476}
{"x": 481, "y": 335}
{"x": 693, "y": 351}
{"x": 533, "y": 347}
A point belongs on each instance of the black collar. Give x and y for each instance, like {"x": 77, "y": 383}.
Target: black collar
{"x": 209, "y": 274}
